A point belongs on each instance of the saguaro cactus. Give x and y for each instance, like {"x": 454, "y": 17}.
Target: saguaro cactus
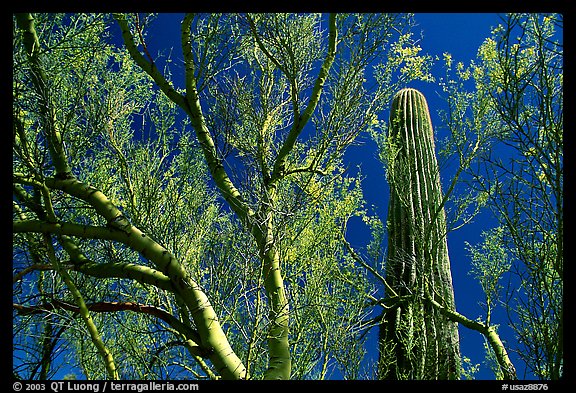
{"x": 416, "y": 341}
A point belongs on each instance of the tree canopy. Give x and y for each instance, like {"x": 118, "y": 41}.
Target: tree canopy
{"x": 184, "y": 214}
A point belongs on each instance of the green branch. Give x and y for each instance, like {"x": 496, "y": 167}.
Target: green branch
{"x": 298, "y": 126}
{"x": 262, "y": 46}
{"x": 223, "y": 182}
{"x": 84, "y": 312}
{"x": 213, "y": 338}
{"x": 487, "y": 331}
{"x": 146, "y": 65}
{"x": 139, "y": 273}
{"x": 37, "y": 266}
{"x": 70, "y": 229}
{"x": 143, "y": 275}
{"x": 367, "y": 266}
{"x": 205, "y": 318}
{"x": 39, "y": 80}
{"x": 101, "y": 307}
{"x": 280, "y": 363}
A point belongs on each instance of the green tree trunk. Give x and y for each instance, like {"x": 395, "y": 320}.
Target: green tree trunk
{"x": 416, "y": 340}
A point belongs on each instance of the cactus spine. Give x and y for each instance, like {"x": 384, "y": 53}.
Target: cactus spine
{"x": 416, "y": 342}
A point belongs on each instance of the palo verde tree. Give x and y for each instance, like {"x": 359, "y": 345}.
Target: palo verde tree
{"x": 88, "y": 105}
{"x": 518, "y": 80}
{"x": 195, "y": 229}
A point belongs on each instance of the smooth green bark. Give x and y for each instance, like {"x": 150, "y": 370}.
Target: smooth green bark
{"x": 508, "y": 369}
{"x": 212, "y": 336}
